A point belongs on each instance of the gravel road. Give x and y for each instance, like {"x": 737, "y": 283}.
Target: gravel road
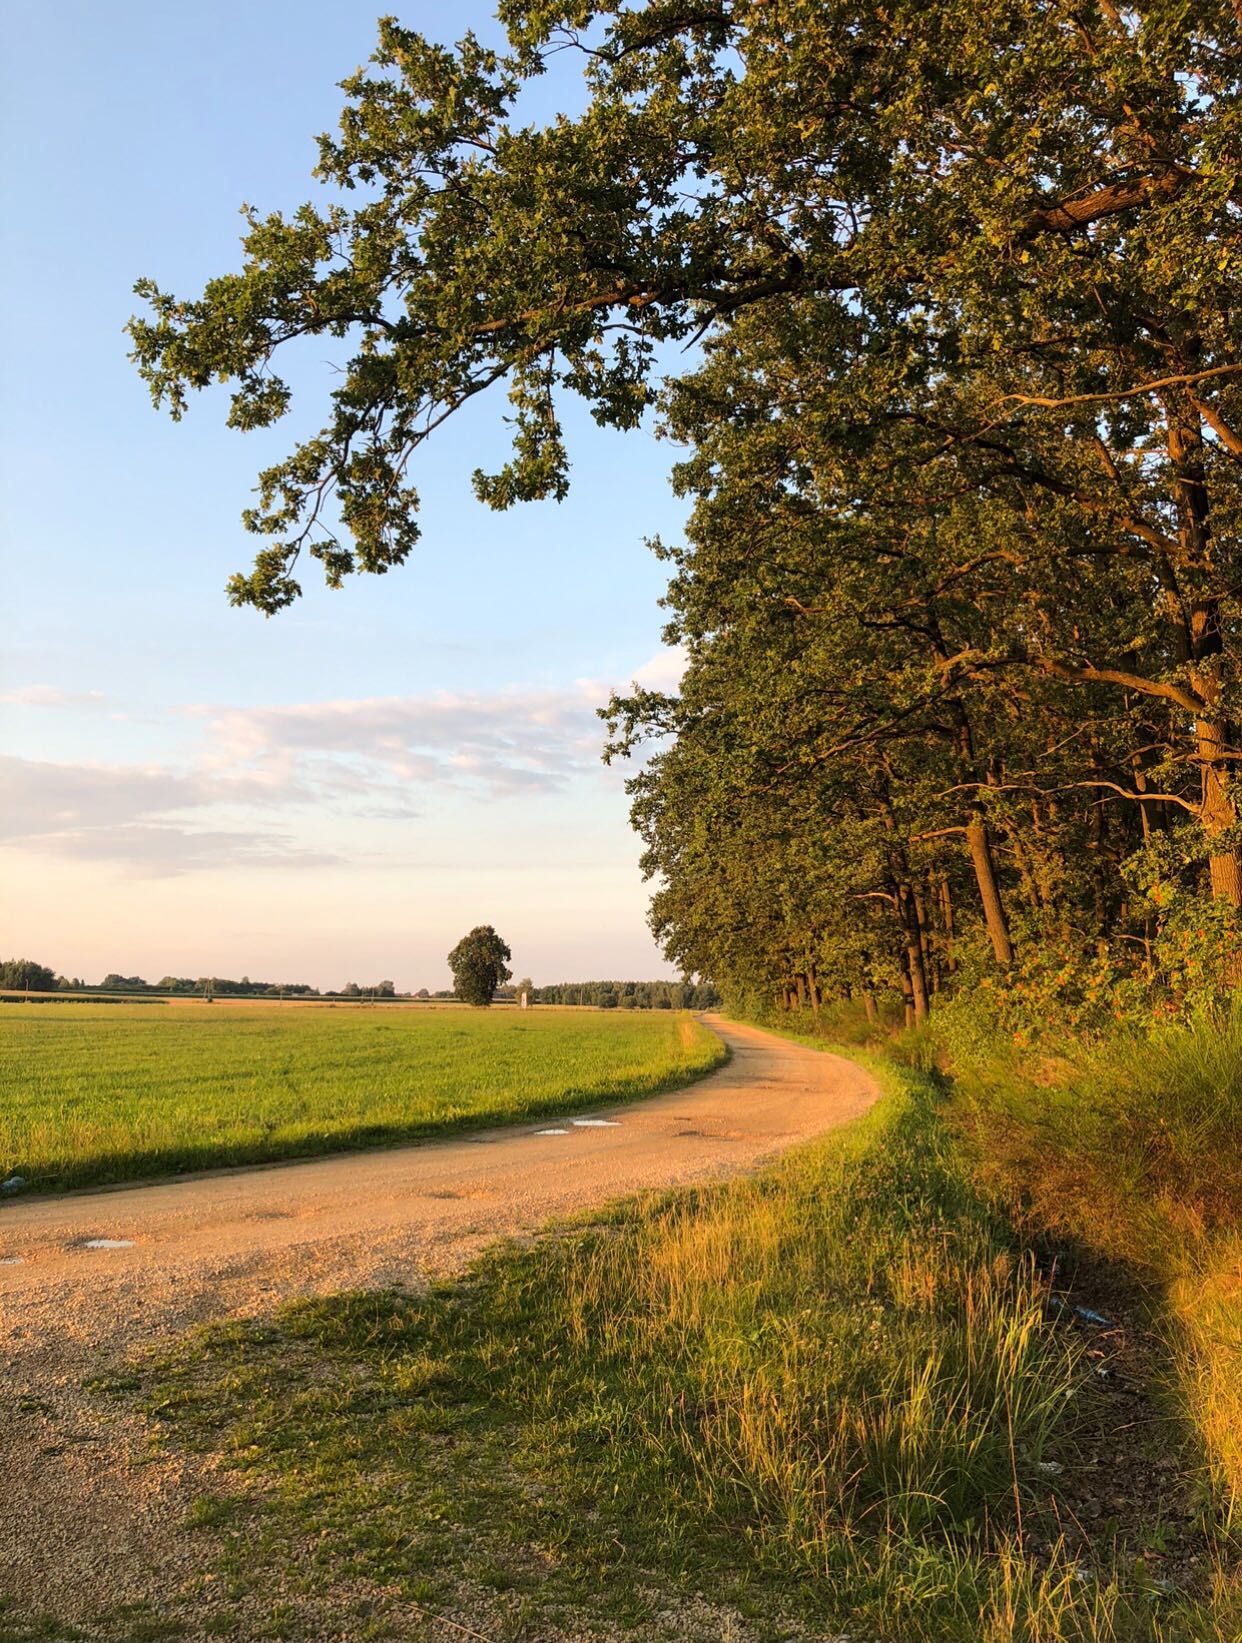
{"x": 87, "y": 1279}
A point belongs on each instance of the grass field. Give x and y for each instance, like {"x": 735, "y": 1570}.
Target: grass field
{"x": 96, "y": 1094}
{"x": 826, "y": 1397}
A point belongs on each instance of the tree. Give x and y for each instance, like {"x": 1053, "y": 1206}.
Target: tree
{"x": 527, "y": 986}
{"x": 23, "y": 974}
{"x": 478, "y": 963}
{"x": 968, "y": 407}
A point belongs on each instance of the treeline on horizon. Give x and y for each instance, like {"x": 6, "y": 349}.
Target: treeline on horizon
{"x": 20, "y": 975}
{"x": 631, "y": 995}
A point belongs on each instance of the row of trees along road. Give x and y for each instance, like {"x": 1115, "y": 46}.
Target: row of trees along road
{"x": 960, "y": 585}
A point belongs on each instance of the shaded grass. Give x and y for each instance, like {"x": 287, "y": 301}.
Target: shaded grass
{"x": 1130, "y": 1149}
{"x": 1133, "y": 1149}
{"x": 827, "y": 1396}
{"x": 97, "y": 1095}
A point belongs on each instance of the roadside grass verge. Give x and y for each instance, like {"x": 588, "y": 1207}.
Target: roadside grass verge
{"x": 98, "y": 1095}
{"x": 825, "y": 1397}
{"x": 1131, "y": 1149}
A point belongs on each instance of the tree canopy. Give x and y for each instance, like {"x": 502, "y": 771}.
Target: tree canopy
{"x": 964, "y": 427}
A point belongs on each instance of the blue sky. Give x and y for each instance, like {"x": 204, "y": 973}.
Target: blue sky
{"x": 341, "y": 791}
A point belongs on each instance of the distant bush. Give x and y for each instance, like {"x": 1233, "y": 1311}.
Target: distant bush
{"x": 21, "y": 973}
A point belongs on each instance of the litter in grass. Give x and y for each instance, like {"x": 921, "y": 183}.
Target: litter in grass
{"x": 15, "y": 1183}
{"x": 1090, "y": 1317}
{"x": 108, "y": 1243}
{"x": 1056, "y": 1306}
{"x": 596, "y": 1123}
{"x": 551, "y": 1132}
{"x": 11, "y": 1260}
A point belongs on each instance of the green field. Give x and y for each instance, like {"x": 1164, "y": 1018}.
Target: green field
{"x": 97, "y": 1094}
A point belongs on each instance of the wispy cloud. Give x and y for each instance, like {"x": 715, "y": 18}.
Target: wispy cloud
{"x": 158, "y": 850}
{"x": 260, "y": 772}
{"x": 120, "y": 814}
{"x": 664, "y": 670}
{"x": 52, "y": 696}
{"x": 508, "y": 741}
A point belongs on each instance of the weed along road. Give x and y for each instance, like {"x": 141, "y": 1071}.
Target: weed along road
{"x": 92, "y": 1277}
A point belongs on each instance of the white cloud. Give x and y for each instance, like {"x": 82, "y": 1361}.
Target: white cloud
{"x": 159, "y": 850}
{"x": 664, "y": 670}
{"x": 118, "y": 814}
{"x": 508, "y": 741}
{"x": 260, "y": 769}
{"x": 52, "y": 696}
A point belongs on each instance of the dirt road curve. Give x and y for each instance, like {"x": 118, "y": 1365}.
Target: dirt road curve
{"x": 79, "y": 1523}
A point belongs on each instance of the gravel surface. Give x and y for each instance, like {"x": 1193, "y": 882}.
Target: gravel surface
{"x": 90, "y": 1516}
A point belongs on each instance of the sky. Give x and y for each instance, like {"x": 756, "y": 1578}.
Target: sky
{"x": 343, "y": 790}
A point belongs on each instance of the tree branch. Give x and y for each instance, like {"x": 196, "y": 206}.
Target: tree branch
{"x": 1108, "y": 201}
{"x": 1136, "y": 392}
{"x": 1188, "y": 700}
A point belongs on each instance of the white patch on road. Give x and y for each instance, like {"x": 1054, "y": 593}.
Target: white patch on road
{"x": 11, "y": 1260}
{"x": 551, "y": 1132}
{"x": 596, "y": 1123}
{"x": 108, "y": 1243}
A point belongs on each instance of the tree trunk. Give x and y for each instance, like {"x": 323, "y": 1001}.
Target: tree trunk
{"x": 980, "y": 848}
{"x": 950, "y": 934}
{"x": 907, "y": 989}
{"x": 977, "y": 842}
{"x": 1218, "y": 813}
{"x": 869, "y": 1005}
{"x": 915, "y": 968}
{"x": 925, "y": 941}
{"x": 906, "y": 910}
{"x": 1201, "y": 639}
{"x": 1140, "y": 786}
{"x": 918, "y": 977}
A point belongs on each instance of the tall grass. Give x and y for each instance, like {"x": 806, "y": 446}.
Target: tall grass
{"x": 1132, "y": 1148}
{"x": 843, "y": 1350}
{"x": 97, "y": 1094}
{"x": 828, "y": 1393}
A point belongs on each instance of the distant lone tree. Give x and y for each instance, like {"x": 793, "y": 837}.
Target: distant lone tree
{"x": 479, "y": 965}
